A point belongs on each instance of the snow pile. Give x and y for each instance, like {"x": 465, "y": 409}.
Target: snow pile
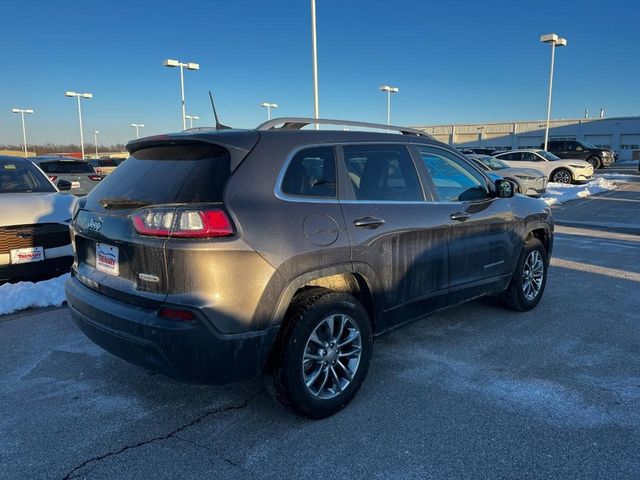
{"x": 559, "y": 192}
{"x": 21, "y": 295}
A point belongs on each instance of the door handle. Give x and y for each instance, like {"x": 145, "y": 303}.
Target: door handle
{"x": 460, "y": 216}
{"x": 369, "y": 222}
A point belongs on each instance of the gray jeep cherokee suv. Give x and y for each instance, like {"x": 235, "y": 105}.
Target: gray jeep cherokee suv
{"x": 217, "y": 255}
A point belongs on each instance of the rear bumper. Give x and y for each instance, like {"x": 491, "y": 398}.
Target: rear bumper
{"x": 187, "y": 351}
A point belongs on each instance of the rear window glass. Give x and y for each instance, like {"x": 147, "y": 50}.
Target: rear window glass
{"x": 167, "y": 174}
{"x": 22, "y": 177}
{"x": 63, "y": 167}
{"x": 311, "y": 173}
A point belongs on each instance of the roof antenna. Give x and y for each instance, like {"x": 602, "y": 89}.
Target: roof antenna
{"x": 219, "y": 126}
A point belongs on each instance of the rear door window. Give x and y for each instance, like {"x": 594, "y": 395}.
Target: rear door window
{"x": 164, "y": 175}
{"x": 311, "y": 173}
{"x": 63, "y": 167}
{"x": 382, "y": 172}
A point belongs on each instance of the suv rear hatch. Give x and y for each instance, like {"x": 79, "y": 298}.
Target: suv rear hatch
{"x": 121, "y": 232}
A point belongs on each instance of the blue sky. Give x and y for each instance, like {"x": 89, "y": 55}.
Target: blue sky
{"x": 455, "y": 61}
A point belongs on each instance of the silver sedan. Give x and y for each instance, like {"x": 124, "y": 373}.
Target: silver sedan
{"x": 531, "y": 182}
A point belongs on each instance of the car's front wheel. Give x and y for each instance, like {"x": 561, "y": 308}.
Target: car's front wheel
{"x": 562, "y": 175}
{"x": 595, "y": 162}
{"x": 530, "y": 278}
{"x": 322, "y": 355}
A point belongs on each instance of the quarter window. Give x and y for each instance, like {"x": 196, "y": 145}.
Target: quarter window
{"x": 382, "y": 172}
{"x": 311, "y": 173}
{"x": 454, "y": 180}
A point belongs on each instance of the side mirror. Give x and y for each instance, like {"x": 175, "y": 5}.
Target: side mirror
{"x": 64, "y": 185}
{"x": 505, "y": 188}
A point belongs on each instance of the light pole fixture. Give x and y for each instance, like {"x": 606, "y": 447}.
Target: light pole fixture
{"x": 22, "y": 111}
{"x": 79, "y": 96}
{"x": 95, "y": 140}
{"x": 137, "y": 126}
{"x": 555, "y": 41}
{"x": 191, "y": 119}
{"x": 389, "y": 89}
{"x": 314, "y": 49}
{"x": 269, "y": 106}
{"x": 189, "y": 66}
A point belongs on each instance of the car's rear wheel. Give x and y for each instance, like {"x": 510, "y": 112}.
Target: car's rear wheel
{"x": 530, "y": 277}
{"x": 595, "y": 162}
{"x": 323, "y": 354}
{"x": 562, "y": 175}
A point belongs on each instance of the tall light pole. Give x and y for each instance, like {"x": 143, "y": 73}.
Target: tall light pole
{"x": 269, "y": 106}
{"x": 190, "y": 66}
{"x": 95, "y": 140}
{"x": 22, "y": 111}
{"x": 314, "y": 47}
{"x": 79, "y": 96}
{"x": 555, "y": 41}
{"x": 137, "y": 126}
{"x": 191, "y": 119}
{"x": 389, "y": 89}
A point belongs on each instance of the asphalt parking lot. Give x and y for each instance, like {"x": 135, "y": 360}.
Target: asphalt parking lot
{"x": 473, "y": 392}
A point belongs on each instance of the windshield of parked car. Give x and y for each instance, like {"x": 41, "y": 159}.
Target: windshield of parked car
{"x": 587, "y": 145}
{"x": 493, "y": 163}
{"x": 22, "y": 177}
{"x": 549, "y": 156}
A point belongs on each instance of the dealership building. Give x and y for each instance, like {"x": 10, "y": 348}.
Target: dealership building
{"x": 621, "y": 134}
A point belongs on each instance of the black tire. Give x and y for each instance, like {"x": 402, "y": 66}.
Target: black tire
{"x": 515, "y": 297}
{"x": 595, "y": 162}
{"x": 562, "y": 175}
{"x": 285, "y": 376}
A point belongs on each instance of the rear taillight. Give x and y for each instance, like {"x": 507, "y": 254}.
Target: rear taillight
{"x": 95, "y": 178}
{"x": 182, "y": 222}
{"x": 52, "y": 178}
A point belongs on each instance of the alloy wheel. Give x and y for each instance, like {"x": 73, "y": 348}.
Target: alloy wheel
{"x": 562, "y": 176}
{"x": 532, "y": 275}
{"x": 331, "y": 356}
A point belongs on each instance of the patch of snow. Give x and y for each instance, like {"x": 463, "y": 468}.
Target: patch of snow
{"x": 22, "y": 295}
{"x": 559, "y": 192}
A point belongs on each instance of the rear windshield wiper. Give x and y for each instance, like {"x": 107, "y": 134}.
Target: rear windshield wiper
{"x": 120, "y": 202}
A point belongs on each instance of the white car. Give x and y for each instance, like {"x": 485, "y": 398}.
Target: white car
{"x": 558, "y": 170}
{"x": 34, "y": 223}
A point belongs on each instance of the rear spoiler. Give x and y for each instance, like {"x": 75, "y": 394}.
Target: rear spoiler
{"x": 237, "y": 142}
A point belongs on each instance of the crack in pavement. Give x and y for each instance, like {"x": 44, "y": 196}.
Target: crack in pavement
{"x": 71, "y": 474}
{"x": 222, "y": 457}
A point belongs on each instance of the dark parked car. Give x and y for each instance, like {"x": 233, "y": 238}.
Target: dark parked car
{"x": 217, "y": 255}
{"x": 477, "y": 151}
{"x": 79, "y": 173}
{"x": 576, "y": 149}
{"x": 104, "y": 166}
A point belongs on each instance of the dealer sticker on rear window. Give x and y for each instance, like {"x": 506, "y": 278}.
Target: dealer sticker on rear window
{"x": 107, "y": 259}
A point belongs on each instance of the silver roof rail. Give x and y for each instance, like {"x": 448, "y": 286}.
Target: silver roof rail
{"x": 297, "y": 123}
